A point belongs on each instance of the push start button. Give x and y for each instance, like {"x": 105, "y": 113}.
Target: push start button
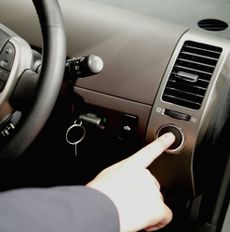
{"x": 179, "y": 141}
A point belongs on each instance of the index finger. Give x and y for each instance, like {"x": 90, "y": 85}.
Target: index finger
{"x": 144, "y": 157}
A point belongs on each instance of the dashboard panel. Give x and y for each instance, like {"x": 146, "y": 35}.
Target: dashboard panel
{"x": 139, "y": 54}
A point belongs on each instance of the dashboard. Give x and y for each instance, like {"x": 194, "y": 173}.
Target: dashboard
{"x": 157, "y": 77}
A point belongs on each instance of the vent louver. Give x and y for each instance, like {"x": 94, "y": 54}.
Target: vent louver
{"x": 191, "y": 74}
{"x": 212, "y": 25}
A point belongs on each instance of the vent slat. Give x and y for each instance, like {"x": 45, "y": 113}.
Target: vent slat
{"x": 191, "y": 74}
{"x": 199, "y": 56}
{"x": 202, "y": 52}
{"x": 196, "y": 66}
{"x": 198, "y": 60}
{"x": 203, "y": 46}
{"x": 184, "y": 96}
{"x": 202, "y": 49}
{"x": 185, "y": 93}
{"x": 201, "y": 74}
{"x": 193, "y": 69}
{"x": 200, "y": 83}
{"x": 182, "y": 102}
{"x": 191, "y": 88}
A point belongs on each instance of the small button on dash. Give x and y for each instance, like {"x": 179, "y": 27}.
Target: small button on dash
{"x": 177, "y": 115}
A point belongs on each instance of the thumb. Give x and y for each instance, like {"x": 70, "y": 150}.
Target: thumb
{"x": 144, "y": 157}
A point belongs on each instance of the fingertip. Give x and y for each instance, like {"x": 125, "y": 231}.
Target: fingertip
{"x": 168, "y": 216}
{"x": 168, "y": 137}
{"x": 164, "y": 142}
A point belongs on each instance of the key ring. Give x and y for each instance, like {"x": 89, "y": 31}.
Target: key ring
{"x": 71, "y": 128}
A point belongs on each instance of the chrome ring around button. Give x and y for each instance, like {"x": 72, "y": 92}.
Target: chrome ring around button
{"x": 178, "y": 134}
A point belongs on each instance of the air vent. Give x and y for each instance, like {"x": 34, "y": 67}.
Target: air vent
{"x": 191, "y": 74}
{"x": 212, "y": 25}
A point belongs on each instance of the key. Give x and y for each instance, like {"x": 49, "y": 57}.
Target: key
{"x": 75, "y": 134}
{"x": 75, "y": 149}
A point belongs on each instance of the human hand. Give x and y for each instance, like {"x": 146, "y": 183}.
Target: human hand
{"x": 135, "y": 191}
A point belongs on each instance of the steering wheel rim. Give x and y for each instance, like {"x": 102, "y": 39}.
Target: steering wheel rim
{"x": 50, "y": 80}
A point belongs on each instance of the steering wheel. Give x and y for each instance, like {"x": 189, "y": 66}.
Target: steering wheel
{"x": 17, "y": 60}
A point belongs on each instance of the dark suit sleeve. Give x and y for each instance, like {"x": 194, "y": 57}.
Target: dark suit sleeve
{"x": 59, "y": 209}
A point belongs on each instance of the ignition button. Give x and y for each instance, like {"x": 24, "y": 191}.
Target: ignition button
{"x": 179, "y": 141}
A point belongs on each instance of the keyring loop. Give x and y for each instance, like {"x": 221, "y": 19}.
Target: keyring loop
{"x": 70, "y": 128}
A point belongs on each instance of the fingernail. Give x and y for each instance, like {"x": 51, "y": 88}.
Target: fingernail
{"x": 154, "y": 228}
{"x": 169, "y": 137}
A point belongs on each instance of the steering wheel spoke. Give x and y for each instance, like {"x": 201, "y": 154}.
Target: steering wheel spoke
{"x": 15, "y": 57}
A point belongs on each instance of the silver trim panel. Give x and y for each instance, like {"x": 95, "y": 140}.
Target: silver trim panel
{"x": 176, "y": 171}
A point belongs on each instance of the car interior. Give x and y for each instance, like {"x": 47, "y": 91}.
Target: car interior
{"x": 132, "y": 71}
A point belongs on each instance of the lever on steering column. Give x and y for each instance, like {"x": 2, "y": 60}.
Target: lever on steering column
{"x": 75, "y": 68}
{"x": 83, "y": 66}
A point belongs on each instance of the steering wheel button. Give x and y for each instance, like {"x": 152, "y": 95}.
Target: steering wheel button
{"x": 9, "y": 51}
{"x": 4, "y": 75}
{"x": 2, "y": 85}
{"x": 7, "y": 56}
{"x": 4, "y": 63}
